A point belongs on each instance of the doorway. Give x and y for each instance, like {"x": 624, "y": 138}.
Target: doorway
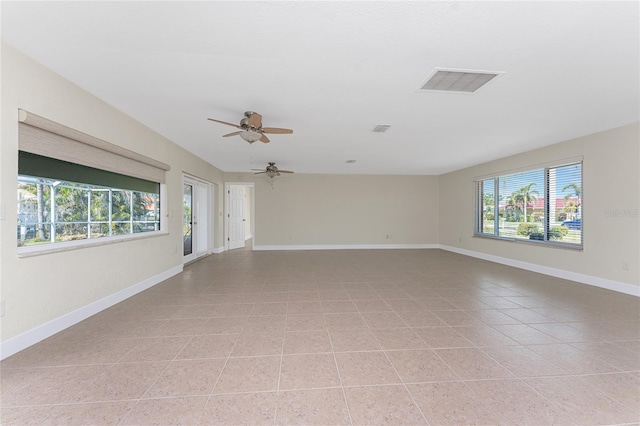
{"x": 239, "y": 214}
{"x": 196, "y": 218}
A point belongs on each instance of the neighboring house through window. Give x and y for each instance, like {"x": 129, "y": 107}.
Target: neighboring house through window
{"x": 542, "y": 205}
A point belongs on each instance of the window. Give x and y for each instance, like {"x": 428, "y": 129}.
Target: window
{"x": 72, "y": 186}
{"x": 52, "y": 211}
{"x": 539, "y": 205}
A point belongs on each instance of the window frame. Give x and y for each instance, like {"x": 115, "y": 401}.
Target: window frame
{"x": 43, "y": 137}
{"x": 45, "y": 248}
{"x": 545, "y": 167}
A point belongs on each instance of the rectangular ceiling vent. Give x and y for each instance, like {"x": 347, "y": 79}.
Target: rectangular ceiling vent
{"x": 457, "y": 81}
{"x": 381, "y": 128}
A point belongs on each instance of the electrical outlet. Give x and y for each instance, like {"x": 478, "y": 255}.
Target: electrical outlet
{"x": 459, "y": 239}
{"x": 625, "y": 265}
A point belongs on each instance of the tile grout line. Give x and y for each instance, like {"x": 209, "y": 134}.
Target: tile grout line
{"x": 344, "y": 394}
{"x": 284, "y": 337}
{"x": 394, "y": 367}
{"x": 213, "y": 388}
{"x": 156, "y": 380}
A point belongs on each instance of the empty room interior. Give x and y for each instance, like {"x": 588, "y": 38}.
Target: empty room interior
{"x": 320, "y": 213}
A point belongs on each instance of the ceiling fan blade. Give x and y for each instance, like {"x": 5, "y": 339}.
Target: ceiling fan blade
{"x": 231, "y": 134}
{"x": 255, "y": 120}
{"x": 285, "y": 171}
{"x": 275, "y": 130}
{"x": 264, "y": 139}
{"x": 224, "y": 122}
{"x": 259, "y": 173}
{"x": 258, "y": 170}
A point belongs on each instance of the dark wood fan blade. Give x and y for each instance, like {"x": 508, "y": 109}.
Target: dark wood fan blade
{"x": 230, "y": 134}
{"x": 275, "y": 130}
{"x": 258, "y": 170}
{"x": 264, "y": 139}
{"x": 259, "y": 173}
{"x": 224, "y": 122}
{"x": 255, "y": 120}
{"x": 285, "y": 171}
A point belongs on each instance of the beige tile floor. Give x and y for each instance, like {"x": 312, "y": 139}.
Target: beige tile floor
{"x": 340, "y": 337}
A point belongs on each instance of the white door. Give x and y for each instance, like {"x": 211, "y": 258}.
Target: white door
{"x": 201, "y": 223}
{"x": 235, "y": 216}
{"x": 196, "y": 219}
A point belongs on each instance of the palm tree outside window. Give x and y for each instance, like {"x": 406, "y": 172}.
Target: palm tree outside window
{"x": 539, "y": 205}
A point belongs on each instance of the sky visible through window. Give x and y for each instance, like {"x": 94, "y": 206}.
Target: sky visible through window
{"x": 565, "y": 175}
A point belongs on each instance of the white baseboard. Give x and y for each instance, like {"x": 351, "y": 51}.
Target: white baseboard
{"x": 219, "y": 250}
{"x": 41, "y": 332}
{"x": 348, "y": 247}
{"x": 31, "y": 337}
{"x": 546, "y": 270}
{"x": 248, "y": 237}
{"x": 554, "y": 272}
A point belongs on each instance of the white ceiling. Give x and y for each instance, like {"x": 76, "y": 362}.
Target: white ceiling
{"x": 333, "y": 70}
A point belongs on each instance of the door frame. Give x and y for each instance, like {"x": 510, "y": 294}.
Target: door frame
{"x": 194, "y": 181}
{"x": 252, "y": 185}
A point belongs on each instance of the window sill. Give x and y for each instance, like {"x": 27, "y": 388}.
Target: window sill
{"x": 551, "y": 244}
{"x": 41, "y": 249}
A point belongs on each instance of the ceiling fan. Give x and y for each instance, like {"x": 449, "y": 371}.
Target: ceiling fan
{"x": 271, "y": 170}
{"x": 251, "y": 129}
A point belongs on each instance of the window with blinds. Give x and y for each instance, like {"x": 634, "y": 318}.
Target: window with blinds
{"x": 542, "y": 205}
{"x": 74, "y": 187}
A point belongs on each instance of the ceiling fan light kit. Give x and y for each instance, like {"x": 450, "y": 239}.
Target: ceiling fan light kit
{"x": 251, "y": 129}
{"x": 250, "y": 136}
{"x": 271, "y": 170}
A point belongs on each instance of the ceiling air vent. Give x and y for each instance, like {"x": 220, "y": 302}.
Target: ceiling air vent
{"x": 457, "y": 81}
{"x": 381, "y": 128}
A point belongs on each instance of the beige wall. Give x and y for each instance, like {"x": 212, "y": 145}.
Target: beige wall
{"x": 309, "y": 209}
{"x": 41, "y": 288}
{"x": 611, "y": 181}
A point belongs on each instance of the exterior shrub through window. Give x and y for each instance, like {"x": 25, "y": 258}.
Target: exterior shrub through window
{"x": 541, "y": 205}
{"x": 60, "y": 201}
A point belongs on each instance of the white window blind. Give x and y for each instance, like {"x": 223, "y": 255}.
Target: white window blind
{"x": 40, "y": 136}
{"x": 541, "y": 205}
